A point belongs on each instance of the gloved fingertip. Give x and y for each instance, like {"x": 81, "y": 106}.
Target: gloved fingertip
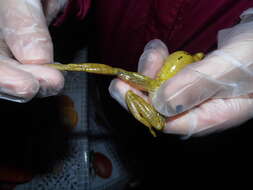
{"x": 150, "y": 63}
{"x": 52, "y": 84}
{"x": 51, "y": 81}
{"x": 50, "y": 91}
{"x": 152, "y": 58}
{"x": 21, "y": 91}
{"x": 173, "y": 129}
{"x": 183, "y": 124}
{"x": 47, "y": 92}
{"x": 156, "y": 44}
{"x": 117, "y": 92}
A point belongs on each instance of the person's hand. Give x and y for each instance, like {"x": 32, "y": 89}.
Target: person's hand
{"x": 206, "y": 96}
{"x": 25, "y": 44}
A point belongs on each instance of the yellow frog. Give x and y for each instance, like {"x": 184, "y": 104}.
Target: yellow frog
{"x": 141, "y": 110}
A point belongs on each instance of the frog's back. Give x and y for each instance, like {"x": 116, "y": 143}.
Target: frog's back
{"x": 176, "y": 62}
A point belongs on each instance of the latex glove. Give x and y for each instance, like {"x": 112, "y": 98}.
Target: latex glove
{"x": 25, "y": 43}
{"x": 210, "y": 95}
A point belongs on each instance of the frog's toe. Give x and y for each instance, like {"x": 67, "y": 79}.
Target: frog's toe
{"x": 144, "y": 112}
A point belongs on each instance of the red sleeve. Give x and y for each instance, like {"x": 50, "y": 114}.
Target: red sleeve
{"x": 124, "y": 27}
{"x": 78, "y": 8}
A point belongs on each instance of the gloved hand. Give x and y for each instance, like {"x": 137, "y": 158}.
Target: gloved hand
{"x": 213, "y": 94}
{"x": 25, "y": 44}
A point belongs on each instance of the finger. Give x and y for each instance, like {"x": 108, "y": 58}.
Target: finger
{"x": 118, "y": 90}
{"x": 213, "y": 115}
{"x": 15, "y": 84}
{"x": 25, "y": 31}
{"x": 51, "y": 80}
{"x": 190, "y": 87}
{"x": 152, "y": 59}
{"x": 4, "y": 50}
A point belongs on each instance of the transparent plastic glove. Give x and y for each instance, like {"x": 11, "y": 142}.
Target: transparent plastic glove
{"x": 25, "y": 43}
{"x": 213, "y": 94}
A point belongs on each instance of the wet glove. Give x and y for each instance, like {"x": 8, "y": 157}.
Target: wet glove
{"x": 25, "y": 44}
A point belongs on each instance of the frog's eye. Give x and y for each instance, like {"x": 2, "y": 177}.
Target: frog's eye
{"x": 181, "y": 57}
{"x": 198, "y": 56}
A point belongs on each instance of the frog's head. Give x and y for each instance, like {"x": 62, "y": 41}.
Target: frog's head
{"x": 184, "y": 58}
{"x": 175, "y": 62}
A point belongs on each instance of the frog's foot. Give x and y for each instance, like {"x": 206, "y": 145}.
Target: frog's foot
{"x": 144, "y": 112}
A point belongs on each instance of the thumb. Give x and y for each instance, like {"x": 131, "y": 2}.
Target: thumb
{"x": 190, "y": 87}
{"x": 211, "y": 116}
{"x": 25, "y": 31}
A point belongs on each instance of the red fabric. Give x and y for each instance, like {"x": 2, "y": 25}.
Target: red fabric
{"x": 77, "y": 7}
{"x": 125, "y": 26}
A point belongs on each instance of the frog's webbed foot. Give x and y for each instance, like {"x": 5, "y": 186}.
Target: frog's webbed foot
{"x": 144, "y": 112}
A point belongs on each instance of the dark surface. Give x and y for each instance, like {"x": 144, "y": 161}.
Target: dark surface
{"x": 32, "y": 136}
{"x": 168, "y": 160}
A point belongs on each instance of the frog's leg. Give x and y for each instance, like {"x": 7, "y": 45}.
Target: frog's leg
{"x": 138, "y": 80}
{"x": 140, "y": 109}
{"x": 96, "y": 68}
{"x": 144, "y": 112}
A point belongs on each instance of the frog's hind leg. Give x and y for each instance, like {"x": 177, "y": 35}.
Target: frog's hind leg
{"x": 144, "y": 112}
{"x": 137, "y": 80}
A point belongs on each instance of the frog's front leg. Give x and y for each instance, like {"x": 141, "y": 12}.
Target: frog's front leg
{"x": 144, "y": 112}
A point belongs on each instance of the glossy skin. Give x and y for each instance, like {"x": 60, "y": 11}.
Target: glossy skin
{"x": 141, "y": 110}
